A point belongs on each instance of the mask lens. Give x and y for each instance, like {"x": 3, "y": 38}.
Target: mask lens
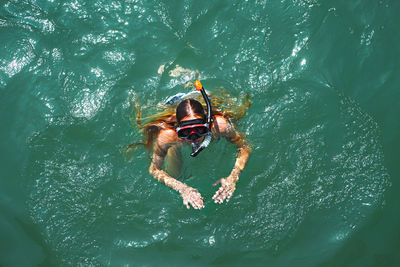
{"x": 193, "y": 132}
{"x": 185, "y": 132}
{"x": 201, "y": 130}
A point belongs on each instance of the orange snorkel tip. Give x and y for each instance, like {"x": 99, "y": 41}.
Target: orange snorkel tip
{"x": 198, "y": 85}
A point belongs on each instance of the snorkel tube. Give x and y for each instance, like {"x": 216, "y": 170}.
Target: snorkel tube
{"x": 196, "y": 149}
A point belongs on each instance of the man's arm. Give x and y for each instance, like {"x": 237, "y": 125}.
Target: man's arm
{"x": 228, "y": 184}
{"x": 243, "y": 153}
{"x": 159, "y": 153}
{"x": 190, "y": 195}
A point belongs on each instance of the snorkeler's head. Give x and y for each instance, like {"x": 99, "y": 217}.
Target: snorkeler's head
{"x": 190, "y": 108}
{"x": 193, "y": 123}
{"x": 191, "y": 120}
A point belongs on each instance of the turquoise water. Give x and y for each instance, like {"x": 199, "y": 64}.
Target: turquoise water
{"x": 320, "y": 188}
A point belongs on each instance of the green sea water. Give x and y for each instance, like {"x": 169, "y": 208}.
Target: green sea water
{"x": 320, "y": 188}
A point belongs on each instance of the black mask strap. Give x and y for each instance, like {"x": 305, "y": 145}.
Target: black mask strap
{"x": 191, "y": 122}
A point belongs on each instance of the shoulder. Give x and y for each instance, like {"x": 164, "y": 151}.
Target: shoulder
{"x": 167, "y": 135}
{"x": 225, "y": 129}
{"x": 221, "y": 124}
{"x": 165, "y": 139}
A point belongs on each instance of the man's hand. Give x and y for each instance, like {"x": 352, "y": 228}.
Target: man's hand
{"x": 193, "y": 197}
{"x": 226, "y": 190}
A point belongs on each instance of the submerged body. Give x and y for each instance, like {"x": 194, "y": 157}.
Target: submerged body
{"x": 188, "y": 126}
{"x": 168, "y": 138}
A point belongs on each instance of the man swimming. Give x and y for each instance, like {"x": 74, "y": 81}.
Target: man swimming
{"x": 191, "y": 126}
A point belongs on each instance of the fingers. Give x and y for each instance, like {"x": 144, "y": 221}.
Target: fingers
{"x": 217, "y": 195}
{"x": 197, "y": 204}
{"x": 228, "y": 196}
{"x": 223, "y": 193}
{"x": 195, "y": 200}
{"x": 220, "y": 195}
{"x": 186, "y": 203}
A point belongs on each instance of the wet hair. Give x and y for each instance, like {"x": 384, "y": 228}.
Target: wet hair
{"x": 166, "y": 120}
{"x": 224, "y": 105}
{"x": 187, "y": 107}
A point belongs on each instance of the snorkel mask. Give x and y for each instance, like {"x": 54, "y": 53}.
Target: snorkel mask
{"x": 194, "y": 129}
